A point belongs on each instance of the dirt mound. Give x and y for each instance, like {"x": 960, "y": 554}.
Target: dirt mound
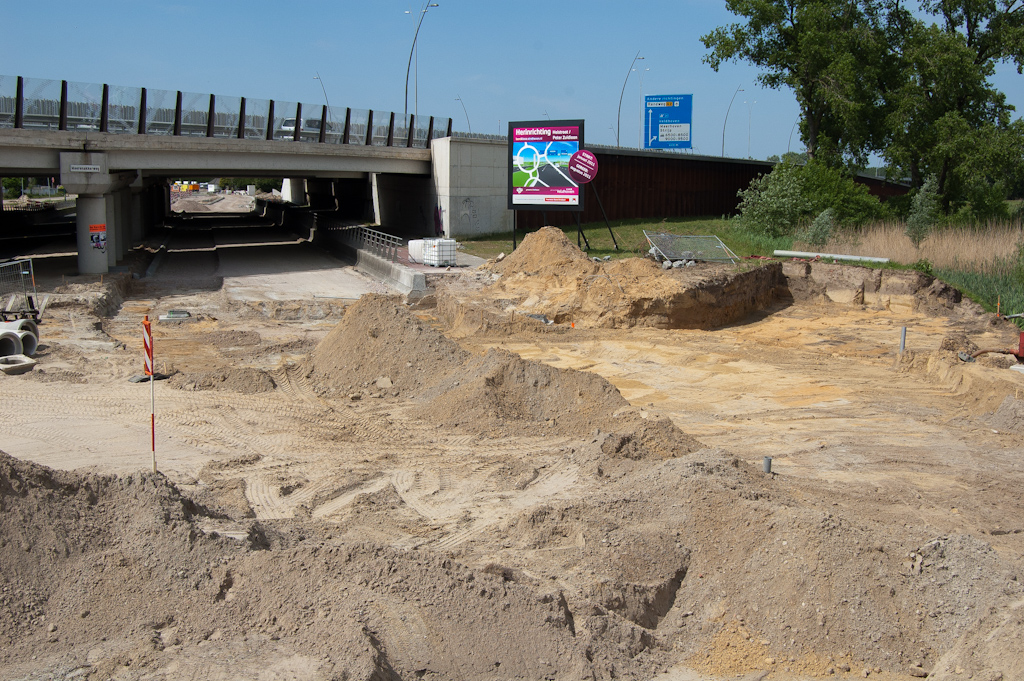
{"x": 380, "y": 346}
{"x": 378, "y": 338}
{"x": 549, "y": 276}
{"x": 242, "y": 380}
{"x": 546, "y": 251}
{"x": 102, "y": 574}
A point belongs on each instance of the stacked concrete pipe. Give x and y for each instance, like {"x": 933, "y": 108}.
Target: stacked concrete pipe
{"x": 19, "y": 338}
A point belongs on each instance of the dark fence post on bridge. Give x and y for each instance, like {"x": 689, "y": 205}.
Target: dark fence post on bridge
{"x": 142, "y": 112}
{"x": 430, "y": 132}
{"x": 369, "y": 128}
{"x": 104, "y": 102}
{"x": 297, "y": 135}
{"x": 348, "y": 122}
{"x": 449, "y": 134}
{"x": 62, "y": 121}
{"x": 323, "y": 125}
{"x": 270, "y": 121}
{"x": 210, "y": 116}
{"x": 391, "y": 130}
{"x": 177, "y": 115}
{"x": 241, "y": 119}
{"x": 19, "y": 103}
{"x": 410, "y": 130}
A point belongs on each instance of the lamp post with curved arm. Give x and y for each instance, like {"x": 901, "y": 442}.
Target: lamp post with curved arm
{"x": 408, "y": 68}
{"x": 317, "y": 77}
{"x": 618, "y": 123}
{"x": 738, "y": 90}
{"x": 459, "y": 100}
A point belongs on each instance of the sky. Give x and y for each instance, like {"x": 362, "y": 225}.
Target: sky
{"x": 479, "y": 62}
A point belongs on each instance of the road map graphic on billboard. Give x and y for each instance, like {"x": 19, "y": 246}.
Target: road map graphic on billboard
{"x": 667, "y": 121}
{"x": 538, "y": 165}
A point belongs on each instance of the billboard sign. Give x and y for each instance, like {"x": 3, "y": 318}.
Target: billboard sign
{"x": 667, "y": 120}
{"x": 539, "y": 154}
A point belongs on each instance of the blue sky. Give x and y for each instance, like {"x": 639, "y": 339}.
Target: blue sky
{"x": 523, "y": 60}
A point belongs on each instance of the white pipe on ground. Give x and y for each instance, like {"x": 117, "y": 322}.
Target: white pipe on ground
{"x": 20, "y": 325}
{"x": 801, "y": 254}
{"x": 10, "y": 343}
{"x": 29, "y": 342}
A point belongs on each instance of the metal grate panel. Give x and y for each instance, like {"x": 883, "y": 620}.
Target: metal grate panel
{"x": 684, "y": 247}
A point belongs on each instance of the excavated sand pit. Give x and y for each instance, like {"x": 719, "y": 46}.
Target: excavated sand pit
{"x": 466, "y": 492}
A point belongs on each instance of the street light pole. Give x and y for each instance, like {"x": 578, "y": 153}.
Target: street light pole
{"x": 408, "y": 68}
{"x": 468, "y": 124}
{"x": 618, "y": 122}
{"x": 317, "y": 77}
{"x": 640, "y": 130}
{"x": 750, "y": 114}
{"x": 738, "y": 90}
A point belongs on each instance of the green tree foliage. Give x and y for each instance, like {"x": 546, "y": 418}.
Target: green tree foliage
{"x": 924, "y": 210}
{"x": 871, "y": 76}
{"x": 830, "y": 52}
{"x": 12, "y": 187}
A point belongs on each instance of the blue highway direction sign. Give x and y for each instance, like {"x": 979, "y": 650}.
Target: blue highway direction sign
{"x": 667, "y": 120}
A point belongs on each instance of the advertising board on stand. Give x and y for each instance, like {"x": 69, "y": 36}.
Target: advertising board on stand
{"x": 539, "y": 154}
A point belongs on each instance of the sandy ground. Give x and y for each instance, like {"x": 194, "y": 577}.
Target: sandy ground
{"x": 479, "y": 495}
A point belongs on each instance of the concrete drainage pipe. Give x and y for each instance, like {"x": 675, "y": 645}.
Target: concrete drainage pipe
{"x": 10, "y": 343}
{"x": 20, "y": 325}
{"x": 29, "y": 342}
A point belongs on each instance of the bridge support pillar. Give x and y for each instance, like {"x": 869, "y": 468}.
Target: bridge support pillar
{"x": 93, "y": 239}
{"x": 293, "y": 190}
{"x": 102, "y": 220}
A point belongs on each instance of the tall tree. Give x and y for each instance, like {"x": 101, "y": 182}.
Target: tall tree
{"x": 832, "y": 53}
{"x": 946, "y": 119}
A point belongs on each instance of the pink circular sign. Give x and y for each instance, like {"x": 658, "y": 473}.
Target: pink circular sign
{"x": 583, "y": 166}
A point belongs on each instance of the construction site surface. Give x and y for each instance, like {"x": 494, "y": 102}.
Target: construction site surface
{"x": 367, "y": 487}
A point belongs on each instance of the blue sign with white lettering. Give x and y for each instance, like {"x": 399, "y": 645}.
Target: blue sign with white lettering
{"x": 667, "y": 121}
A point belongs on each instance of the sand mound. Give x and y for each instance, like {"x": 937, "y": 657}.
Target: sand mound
{"x": 112, "y": 577}
{"x": 497, "y": 394}
{"x": 546, "y": 251}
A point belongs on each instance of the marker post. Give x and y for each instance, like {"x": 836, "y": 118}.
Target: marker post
{"x": 147, "y": 346}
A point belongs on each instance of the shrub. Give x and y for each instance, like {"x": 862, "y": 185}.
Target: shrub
{"x": 820, "y": 230}
{"x": 774, "y": 203}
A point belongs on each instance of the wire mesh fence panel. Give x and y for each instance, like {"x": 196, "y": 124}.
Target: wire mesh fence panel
{"x": 160, "y": 106}
{"x": 8, "y": 100}
{"x": 685, "y": 247}
{"x": 16, "y": 286}
{"x": 123, "y": 109}
{"x": 256, "y": 111}
{"x": 195, "y": 112}
{"x": 42, "y": 104}
{"x": 85, "y": 106}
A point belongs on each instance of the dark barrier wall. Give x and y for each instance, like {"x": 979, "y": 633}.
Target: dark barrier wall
{"x": 650, "y": 185}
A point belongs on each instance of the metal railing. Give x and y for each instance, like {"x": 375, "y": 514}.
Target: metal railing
{"x": 379, "y": 243}
{"x": 39, "y": 104}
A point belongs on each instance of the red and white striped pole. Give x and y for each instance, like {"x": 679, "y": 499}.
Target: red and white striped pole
{"x": 147, "y": 346}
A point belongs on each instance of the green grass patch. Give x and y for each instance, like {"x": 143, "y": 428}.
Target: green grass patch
{"x": 629, "y": 234}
